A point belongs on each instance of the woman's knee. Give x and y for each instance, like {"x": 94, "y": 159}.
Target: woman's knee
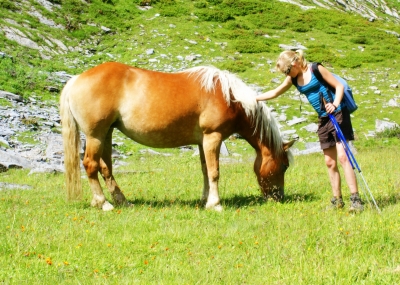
{"x": 330, "y": 162}
{"x": 343, "y": 158}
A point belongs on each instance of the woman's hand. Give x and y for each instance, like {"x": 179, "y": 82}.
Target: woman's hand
{"x": 330, "y": 108}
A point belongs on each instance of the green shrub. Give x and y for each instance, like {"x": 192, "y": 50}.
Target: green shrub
{"x": 389, "y": 133}
{"x": 214, "y": 2}
{"x": 214, "y": 15}
{"x": 174, "y": 11}
{"x": 251, "y": 46}
{"x": 7, "y": 4}
{"x": 360, "y": 40}
{"x": 302, "y": 28}
{"x": 236, "y": 66}
{"x": 236, "y": 24}
{"x": 200, "y": 4}
{"x": 243, "y": 7}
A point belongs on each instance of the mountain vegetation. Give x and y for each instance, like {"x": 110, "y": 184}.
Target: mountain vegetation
{"x": 39, "y": 38}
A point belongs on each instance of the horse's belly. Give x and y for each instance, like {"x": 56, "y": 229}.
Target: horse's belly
{"x": 163, "y": 134}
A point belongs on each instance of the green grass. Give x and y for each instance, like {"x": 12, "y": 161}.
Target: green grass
{"x": 168, "y": 238}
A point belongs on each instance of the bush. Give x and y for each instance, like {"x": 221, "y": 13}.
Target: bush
{"x": 236, "y": 66}
{"x": 251, "y": 46}
{"x": 243, "y": 7}
{"x": 200, "y": 4}
{"x": 214, "y": 2}
{"x": 214, "y": 15}
{"x": 360, "y": 40}
{"x": 236, "y": 24}
{"x": 389, "y": 133}
{"x": 7, "y": 4}
{"x": 174, "y": 11}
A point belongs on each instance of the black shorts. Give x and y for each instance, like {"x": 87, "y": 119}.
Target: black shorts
{"x": 326, "y": 130}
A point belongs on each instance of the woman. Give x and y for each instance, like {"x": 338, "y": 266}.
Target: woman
{"x": 295, "y": 67}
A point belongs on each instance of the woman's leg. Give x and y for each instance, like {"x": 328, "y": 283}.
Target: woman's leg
{"x": 348, "y": 170}
{"x": 333, "y": 171}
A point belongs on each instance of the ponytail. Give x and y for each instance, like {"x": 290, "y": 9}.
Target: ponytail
{"x": 287, "y": 57}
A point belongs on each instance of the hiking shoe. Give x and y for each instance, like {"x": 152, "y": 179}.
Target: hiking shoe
{"x": 337, "y": 203}
{"x": 356, "y": 205}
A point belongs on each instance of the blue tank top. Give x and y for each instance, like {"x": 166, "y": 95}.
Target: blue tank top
{"x": 312, "y": 90}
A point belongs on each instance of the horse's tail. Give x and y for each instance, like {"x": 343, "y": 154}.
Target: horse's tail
{"x": 71, "y": 141}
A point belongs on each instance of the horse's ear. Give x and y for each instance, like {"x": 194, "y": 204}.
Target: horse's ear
{"x": 288, "y": 145}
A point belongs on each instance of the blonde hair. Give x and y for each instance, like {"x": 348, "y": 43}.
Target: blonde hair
{"x": 287, "y": 57}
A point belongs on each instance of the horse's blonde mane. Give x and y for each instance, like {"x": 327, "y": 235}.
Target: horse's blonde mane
{"x": 262, "y": 118}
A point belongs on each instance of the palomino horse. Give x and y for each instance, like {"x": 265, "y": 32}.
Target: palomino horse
{"x": 202, "y": 105}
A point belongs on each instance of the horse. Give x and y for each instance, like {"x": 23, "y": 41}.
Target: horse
{"x": 199, "y": 106}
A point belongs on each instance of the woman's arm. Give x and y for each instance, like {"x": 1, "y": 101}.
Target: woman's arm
{"x": 285, "y": 85}
{"x": 331, "y": 80}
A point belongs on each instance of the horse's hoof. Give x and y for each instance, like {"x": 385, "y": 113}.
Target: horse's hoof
{"x": 217, "y": 208}
{"x": 107, "y": 206}
{"x": 120, "y": 200}
{"x": 128, "y": 205}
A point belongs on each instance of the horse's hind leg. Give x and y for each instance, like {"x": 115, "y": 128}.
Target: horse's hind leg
{"x": 106, "y": 172}
{"x": 91, "y": 162}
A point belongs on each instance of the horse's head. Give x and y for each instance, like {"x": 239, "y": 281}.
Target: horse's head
{"x": 270, "y": 170}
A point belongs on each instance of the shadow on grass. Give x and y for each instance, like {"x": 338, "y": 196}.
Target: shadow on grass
{"x": 295, "y": 198}
{"x": 195, "y": 203}
{"x": 386, "y": 200}
{"x": 236, "y": 201}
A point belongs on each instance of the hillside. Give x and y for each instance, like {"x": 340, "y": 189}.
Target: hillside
{"x": 43, "y": 42}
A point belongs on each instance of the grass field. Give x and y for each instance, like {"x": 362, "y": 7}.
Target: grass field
{"x": 168, "y": 238}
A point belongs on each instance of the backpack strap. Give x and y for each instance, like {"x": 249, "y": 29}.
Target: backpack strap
{"x": 318, "y": 75}
{"x": 294, "y": 81}
{"x": 314, "y": 69}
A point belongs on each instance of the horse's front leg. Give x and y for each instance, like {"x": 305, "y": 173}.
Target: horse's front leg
{"x": 91, "y": 162}
{"x": 211, "y": 147}
{"x": 206, "y": 184}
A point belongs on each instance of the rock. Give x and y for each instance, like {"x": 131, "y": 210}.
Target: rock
{"x": 312, "y": 128}
{"x": 286, "y": 135}
{"x": 11, "y": 96}
{"x": 10, "y": 186}
{"x": 381, "y": 126}
{"x": 289, "y": 47}
{"x": 190, "y": 57}
{"x": 393, "y": 103}
{"x": 224, "y": 149}
{"x": 61, "y": 76}
{"x": 105, "y": 29}
{"x": 14, "y": 34}
{"x": 52, "y": 89}
{"x": 13, "y": 160}
{"x": 310, "y": 147}
{"x": 295, "y": 121}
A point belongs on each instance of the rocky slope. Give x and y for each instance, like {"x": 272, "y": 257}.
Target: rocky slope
{"x": 58, "y": 42}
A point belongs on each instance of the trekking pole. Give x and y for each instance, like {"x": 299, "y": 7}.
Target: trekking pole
{"x": 351, "y": 157}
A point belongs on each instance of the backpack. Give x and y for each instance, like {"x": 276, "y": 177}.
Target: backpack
{"x": 348, "y": 99}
